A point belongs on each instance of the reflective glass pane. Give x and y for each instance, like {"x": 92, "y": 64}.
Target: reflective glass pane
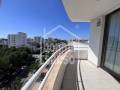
{"x": 112, "y": 42}
{"x": 117, "y": 58}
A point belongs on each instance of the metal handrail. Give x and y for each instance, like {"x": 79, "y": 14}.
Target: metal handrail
{"x": 31, "y": 81}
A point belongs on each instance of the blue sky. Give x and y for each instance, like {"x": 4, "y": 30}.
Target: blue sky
{"x": 31, "y": 16}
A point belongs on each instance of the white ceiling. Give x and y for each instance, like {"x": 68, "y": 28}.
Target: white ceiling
{"x": 85, "y": 10}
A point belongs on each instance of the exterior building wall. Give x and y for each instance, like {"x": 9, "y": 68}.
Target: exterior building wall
{"x": 80, "y": 49}
{"x": 81, "y": 54}
{"x": 37, "y": 39}
{"x": 22, "y": 39}
{"x": 96, "y": 39}
{"x": 4, "y": 42}
{"x": 86, "y": 10}
{"x": 17, "y": 40}
{"x": 12, "y": 40}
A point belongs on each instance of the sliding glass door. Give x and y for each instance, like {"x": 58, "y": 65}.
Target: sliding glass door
{"x": 112, "y": 46}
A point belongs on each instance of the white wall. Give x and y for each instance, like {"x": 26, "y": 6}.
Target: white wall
{"x": 81, "y": 54}
{"x": 96, "y": 39}
{"x": 80, "y": 50}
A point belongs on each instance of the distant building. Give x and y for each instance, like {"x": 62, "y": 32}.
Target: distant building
{"x": 37, "y": 39}
{"x": 31, "y": 44}
{"x": 4, "y": 42}
{"x": 29, "y": 40}
{"x": 22, "y": 39}
{"x": 12, "y": 40}
{"x": 17, "y": 40}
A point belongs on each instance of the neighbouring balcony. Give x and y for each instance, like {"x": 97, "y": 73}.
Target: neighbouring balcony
{"x": 69, "y": 69}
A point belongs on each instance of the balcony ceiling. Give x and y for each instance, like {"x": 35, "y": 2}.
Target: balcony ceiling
{"x": 85, "y": 10}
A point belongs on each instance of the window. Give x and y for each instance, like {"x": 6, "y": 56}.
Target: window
{"x": 112, "y": 44}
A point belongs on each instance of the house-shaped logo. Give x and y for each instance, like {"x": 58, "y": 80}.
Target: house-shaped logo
{"x": 62, "y": 28}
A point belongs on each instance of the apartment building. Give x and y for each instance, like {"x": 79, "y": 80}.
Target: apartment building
{"x": 17, "y": 40}
{"x": 104, "y": 42}
{"x": 4, "y": 42}
{"x": 37, "y": 39}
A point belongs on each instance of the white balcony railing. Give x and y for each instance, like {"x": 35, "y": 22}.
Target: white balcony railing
{"x": 30, "y": 84}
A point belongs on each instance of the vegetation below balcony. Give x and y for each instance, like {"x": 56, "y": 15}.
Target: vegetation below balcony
{"x": 15, "y": 64}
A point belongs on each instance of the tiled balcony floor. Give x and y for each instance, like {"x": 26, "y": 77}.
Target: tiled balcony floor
{"x": 97, "y": 79}
{"x": 93, "y": 78}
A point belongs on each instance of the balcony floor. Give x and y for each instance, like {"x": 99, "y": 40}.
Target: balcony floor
{"x": 70, "y": 77}
{"x": 93, "y": 78}
{"x": 96, "y": 78}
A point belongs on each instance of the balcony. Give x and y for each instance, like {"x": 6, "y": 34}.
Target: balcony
{"x": 69, "y": 69}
